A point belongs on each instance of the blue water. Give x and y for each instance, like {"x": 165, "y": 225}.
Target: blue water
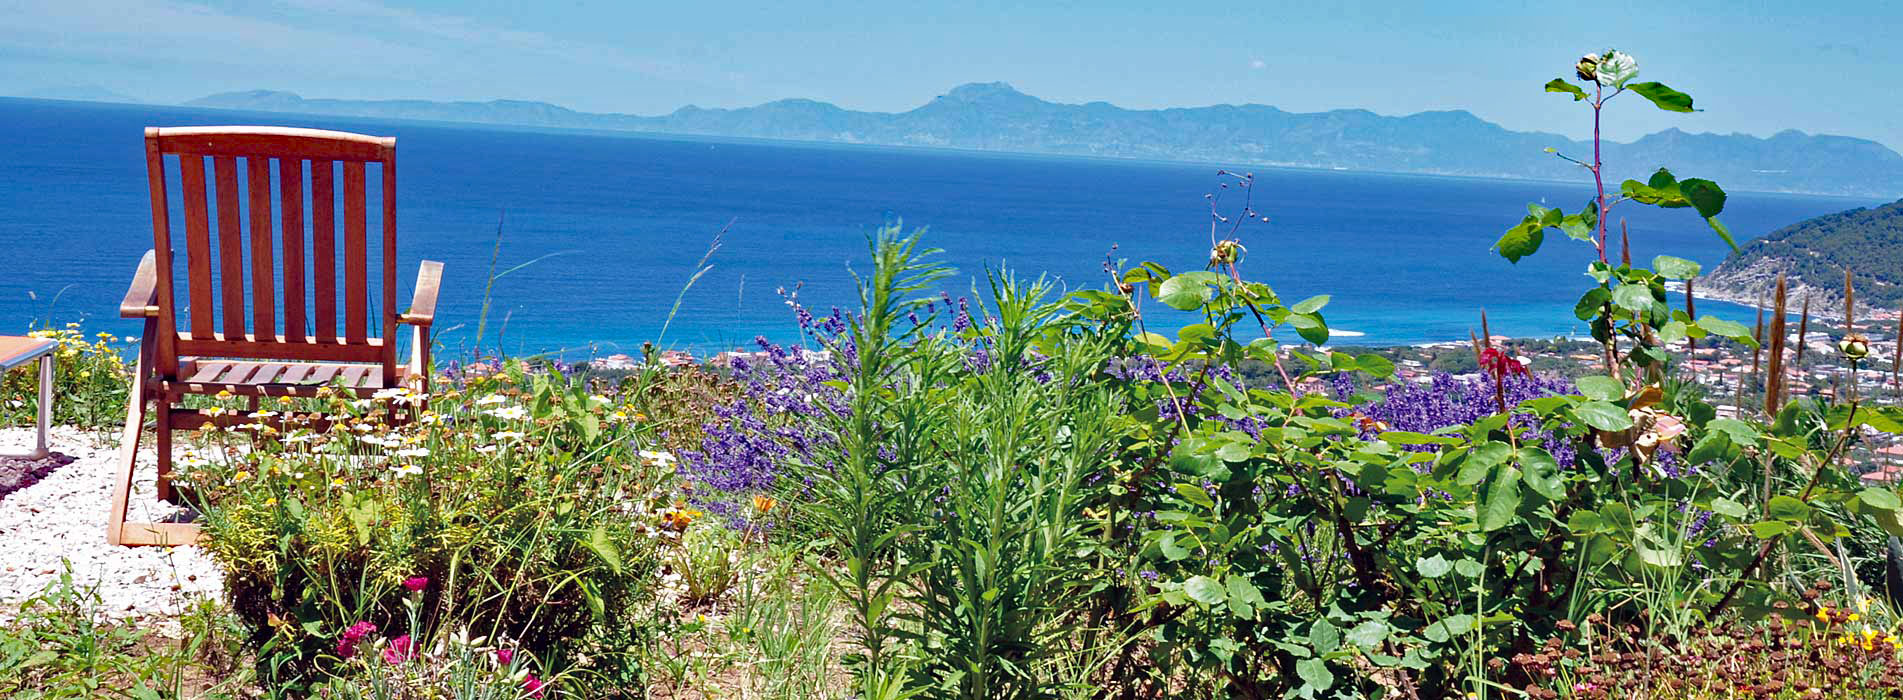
{"x": 1405, "y": 257}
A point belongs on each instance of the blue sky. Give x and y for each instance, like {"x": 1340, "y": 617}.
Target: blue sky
{"x": 1756, "y": 67}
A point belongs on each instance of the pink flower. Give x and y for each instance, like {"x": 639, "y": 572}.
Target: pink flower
{"x": 533, "y": 685}
{"x": 416, "y": 584}
{"x": 347, "y": 644}
{"x": 401, "y": 649}
{"x": 505, "y": 656}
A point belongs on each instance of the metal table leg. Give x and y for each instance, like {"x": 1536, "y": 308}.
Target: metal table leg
{"x": 45, "y": 413}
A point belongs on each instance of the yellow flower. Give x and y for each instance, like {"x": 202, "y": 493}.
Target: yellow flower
{"x": 1823, "y": 614}
{"x": 241, "y": 476}
{"x": 1855, "y": 617}
{"x": 271, "y": 501}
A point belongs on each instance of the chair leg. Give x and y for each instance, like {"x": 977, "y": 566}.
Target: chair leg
{"x": 162, "y": 444}
{"x": 128, "y": 455}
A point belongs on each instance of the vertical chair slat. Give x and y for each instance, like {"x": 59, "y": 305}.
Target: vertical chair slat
{"x": 263, "y": 272}
{"x": 197, "y": 242}
{"x": 291, "y": 216}
{"x": 356, "y": 259}
{"x": 324, "y": 246}
{"x": 164, "y": 350}
{"x": 388, "y": 328}
{"x": 230, "y": 246}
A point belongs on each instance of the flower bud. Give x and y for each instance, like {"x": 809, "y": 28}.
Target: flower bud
{"x": 1588, "y": 68}
{"x": 1854, "y": 346}
{"x": 1226, "y": 253}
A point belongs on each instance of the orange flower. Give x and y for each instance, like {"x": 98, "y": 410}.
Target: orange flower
{"x": 679, "y": 517}
{"x": 763, "y": 503}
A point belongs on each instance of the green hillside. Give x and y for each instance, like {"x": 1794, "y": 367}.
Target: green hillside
{"x": 1815, "y": 252}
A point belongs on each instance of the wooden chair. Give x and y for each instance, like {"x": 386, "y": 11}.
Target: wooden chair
{"x": 217, "y": 352}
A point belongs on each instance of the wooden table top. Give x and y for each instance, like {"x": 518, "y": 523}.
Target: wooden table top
{"x": 16, "y": 350}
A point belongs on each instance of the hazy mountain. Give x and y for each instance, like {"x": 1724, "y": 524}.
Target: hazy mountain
{"x": 993, "y": 116}
{"x": 1813, "y": 255}
{"x": 80, "y": 93}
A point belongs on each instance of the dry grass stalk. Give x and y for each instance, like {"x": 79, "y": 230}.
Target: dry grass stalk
{"x": 1774, "y": 383}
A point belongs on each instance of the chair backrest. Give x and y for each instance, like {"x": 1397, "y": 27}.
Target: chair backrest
{"x": 304, "y": 164}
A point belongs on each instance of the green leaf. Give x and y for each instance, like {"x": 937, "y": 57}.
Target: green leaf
{"x": 1663, "y": 97}
{"x": 1542, "y": 473}
{"x": 1481, "y": 461}
{"x": 1636, "y": 298}
{"x": 1767, "y": 529}
{"x": 1600, "y": 387}
{"x": 1603, "y": 416}
{"x": 1729, "y": 329}
{"x": 1244, "y": 597}
{"x": 1205, "y": 590}
{"x": 1521, "y": 241}
{"x": 1368, "y": 634}
{"x": 1433, "y": 567}
{"x": 1728, "y": 508}
{"x": 605, "y": 548}
{"x": 1172, "y": 550}
{"x": 1403, "y": 437}
{"x": 1723, "y": 232}
{"x": 1787, "y": 508}
{"x": 1376, "y": 365}
{"x": 1310, "y": 327}
{"x": 1188, "y": 291}
{"x": 1890, "y": 520}
{"x": 1673, "y": 331}
{"x": 1503, "y": 498}
{"x": 1589, "y": 305}
{"x": 1881, "y": 499}
{"x": 1195, "y": 494}
{"x": 1740, "y": 432}
{"x": 1560, "y": 85}
{"x": 1310, "y": 305}
{"x": 1706, "y": 196}
{"x": 1323, "y": 637}
{"x": 1672, "y": 268}
{"x": 1315, "y": 673}
{"x": 1714, "y": 446}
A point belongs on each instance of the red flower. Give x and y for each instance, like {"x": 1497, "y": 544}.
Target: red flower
{"x": 505, "y": 656}
{"x": 401, "y": 650}
{"x": 347, "y": 644}
{"x": 416, "y": 584}
{"x": 1500, "y": 364}
{"x": 533, "y": 685}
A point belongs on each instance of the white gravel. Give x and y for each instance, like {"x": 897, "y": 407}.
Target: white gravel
{"x": 63, "y": 516}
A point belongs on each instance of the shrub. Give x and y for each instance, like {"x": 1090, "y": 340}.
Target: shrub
{"x": 510, "y": 497}
{"x": 90, "y": 381}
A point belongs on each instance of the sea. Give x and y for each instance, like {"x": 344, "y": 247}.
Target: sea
{"x": 600, "y": 233}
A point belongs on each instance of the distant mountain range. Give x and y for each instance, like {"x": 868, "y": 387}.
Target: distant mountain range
{"x": 996, "y": 117}
{"x": 1813, "y": 255}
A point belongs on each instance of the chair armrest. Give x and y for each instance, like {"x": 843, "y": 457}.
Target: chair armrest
{"x": 422, "y": 311}
{"x": 142, "y": 296}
